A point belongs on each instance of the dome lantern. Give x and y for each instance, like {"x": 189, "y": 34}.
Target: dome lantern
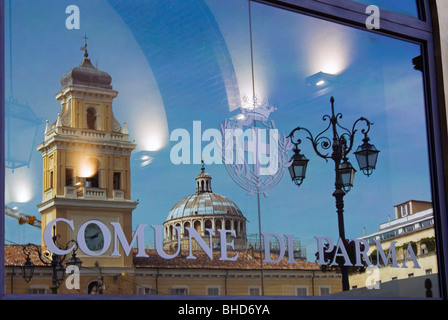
{"x": 203, "y": 181}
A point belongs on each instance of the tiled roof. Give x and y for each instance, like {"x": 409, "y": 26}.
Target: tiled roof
{"x": 14, "y": 256}
{"x": 245, "y": 261}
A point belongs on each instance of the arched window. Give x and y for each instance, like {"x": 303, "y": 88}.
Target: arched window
{"x": 95, "y": 287}
{"x": 91, "y": 118}
{"x": 186, "y": 225}
{"x": 197, "y": 226}
{"x": 175, "y": 233}
{"x": 170, "y": 233}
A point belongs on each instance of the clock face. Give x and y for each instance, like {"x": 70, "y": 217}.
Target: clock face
{"x": 94, "y": 237}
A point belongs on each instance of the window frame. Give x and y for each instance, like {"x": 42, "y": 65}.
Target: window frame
{"x": 422, "y": 31}
{"x": 301, "y": 287}
{"x": 213, "y": 287}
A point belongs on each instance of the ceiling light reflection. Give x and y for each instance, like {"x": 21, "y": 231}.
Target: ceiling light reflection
{"x": 330, "y": 48}
{"x": 18, "y": 185}
{"x": 143, "y": 158}
{"x": 87, "y": 167}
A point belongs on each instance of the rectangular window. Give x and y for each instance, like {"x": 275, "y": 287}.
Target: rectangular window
{"x": 69, "y": 177}
{"x": 146, "y": 290}
{"x": 38, "y": 290}
{"x": 254, "y": 291}
{"x": 324, "y": 291}
{"x": 179, "y": 291}
{"x": 51, "y": 179}
{"x": 213, "y": 291}
{"x": 301, "y": 291}
{"x": 117, "y": 180}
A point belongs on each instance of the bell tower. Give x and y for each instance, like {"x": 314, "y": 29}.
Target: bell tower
{"x": 86, "y": 166}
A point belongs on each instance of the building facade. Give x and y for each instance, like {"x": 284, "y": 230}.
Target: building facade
{"x": 413, "y": 224}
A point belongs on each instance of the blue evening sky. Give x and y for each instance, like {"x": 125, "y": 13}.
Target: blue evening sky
{"x": 175, "y": 62}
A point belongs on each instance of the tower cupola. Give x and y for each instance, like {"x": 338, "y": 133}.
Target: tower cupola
{"x": 203, "y": 181}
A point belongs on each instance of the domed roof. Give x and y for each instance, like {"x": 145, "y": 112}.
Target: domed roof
{"x": 87, "y": 75}
{"x": 205, "y": 203}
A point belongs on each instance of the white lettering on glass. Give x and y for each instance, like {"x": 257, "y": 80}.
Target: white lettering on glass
{"x": 325, "y": 245}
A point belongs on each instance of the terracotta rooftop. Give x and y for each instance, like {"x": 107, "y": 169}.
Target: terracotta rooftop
{"x": 14, "y": 256}
{"x": 245, "y": 261}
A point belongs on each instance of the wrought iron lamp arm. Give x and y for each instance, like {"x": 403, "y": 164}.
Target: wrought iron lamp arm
{"x": 39, "y": 254}
{"x": 351, "y": 134}
{"x": 326, "y": 144}
{"x": 55, "y": 259}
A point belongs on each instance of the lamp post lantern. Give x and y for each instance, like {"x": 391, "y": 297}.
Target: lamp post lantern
{"x": 28, "y": 267}
{"x": 341, "y": 145}
{"x": 50, "y": 259}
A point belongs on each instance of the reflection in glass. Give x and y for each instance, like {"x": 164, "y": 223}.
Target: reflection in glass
{"x": 176, "y": 63}
{"x": 378, "y": 81}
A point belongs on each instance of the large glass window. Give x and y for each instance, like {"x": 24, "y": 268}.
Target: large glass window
{"x": 192, "y": 112}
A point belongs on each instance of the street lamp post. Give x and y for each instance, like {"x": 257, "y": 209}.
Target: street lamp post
{"x": 50, "y": 259}
{"x": 341, "y": 144}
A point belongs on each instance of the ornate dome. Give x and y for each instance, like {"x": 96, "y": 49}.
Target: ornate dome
{"x": 204, "y": 210}
{"x": 87, "y": 75}
{"x": 204, "y": 201}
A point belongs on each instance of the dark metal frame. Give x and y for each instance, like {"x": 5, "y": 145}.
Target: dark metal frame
{"x": 419, "y": 31}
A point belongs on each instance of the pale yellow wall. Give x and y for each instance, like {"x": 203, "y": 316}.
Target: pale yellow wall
{"x": 123, "y": 281}
{"x": 425, "y": 262}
